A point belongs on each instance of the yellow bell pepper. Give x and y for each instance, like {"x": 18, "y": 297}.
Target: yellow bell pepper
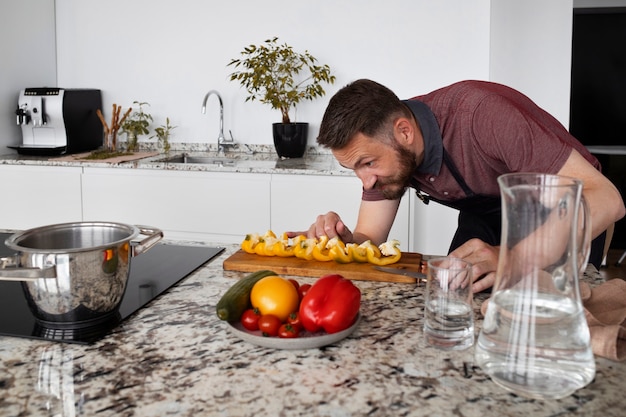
{"x": 283, "y": 249}
{"x": 338, "y": 254}
{"x": 388, "y": 253}
{"x": 357, "y": 253}
{"x": 250, "y": 242}
{"x": 270, "y": 243}
{"x": 336, "y": 241}
{"x": 304, "y": 249}
{"x": 320, "y": 251}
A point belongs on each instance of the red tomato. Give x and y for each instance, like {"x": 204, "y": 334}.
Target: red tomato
{"x": 269, "y": 325}
{"x": 250, "y": 319}
{"x": 295, "y": 283}
{"x": 294, "y": 320}
{"x": 287, "y": 331}
{"x": 304, "y": 288}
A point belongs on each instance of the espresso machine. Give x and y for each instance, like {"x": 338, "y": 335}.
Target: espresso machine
{"x": 57, "y": 121}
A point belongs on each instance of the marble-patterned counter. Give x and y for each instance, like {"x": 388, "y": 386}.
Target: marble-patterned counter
{"x": 251, "y": 159}
{"x": 175, "y": 358}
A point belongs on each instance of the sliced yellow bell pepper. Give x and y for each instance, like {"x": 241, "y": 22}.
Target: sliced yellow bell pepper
{"x": 250, "y": 242}
{"x": 270, "y": 244}
{"x": 388, "y": 253}
{"x": 304, "y": 249}
{"x": 298, "y": 239}
{"x": 283, "y": 249}
{"x": 370, "y": 247}
{"x": 269, "y": 234}
{"x": 336, "y": 241}
{"x": 259, "y": 248}
{"x": 357, "y": 253}
{"x": 320, "y": 251}
{"x": 338, "y": 254}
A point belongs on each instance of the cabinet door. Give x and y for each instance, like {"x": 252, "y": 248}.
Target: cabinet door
{"x": 213, "y": 206}
{"x": 35, "y": 196}
{"x": 298, "y": 199}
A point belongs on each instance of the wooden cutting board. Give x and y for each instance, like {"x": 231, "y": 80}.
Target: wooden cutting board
{"x": 246, "y": 262}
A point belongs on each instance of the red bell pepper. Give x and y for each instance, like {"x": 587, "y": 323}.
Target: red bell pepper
{"x": 332, "y": 304}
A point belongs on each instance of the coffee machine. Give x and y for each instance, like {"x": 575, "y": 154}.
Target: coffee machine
{"x": 57, "y": 121}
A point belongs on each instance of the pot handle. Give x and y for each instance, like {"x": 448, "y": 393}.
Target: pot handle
{"x": 153, "y": 236}
{"x": 9, "y": 271}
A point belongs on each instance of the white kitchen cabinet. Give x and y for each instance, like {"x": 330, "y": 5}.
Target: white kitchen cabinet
{"x": 35, "y": 196}
{"x": 298, "y": 199}
{"x": 210, "y": 206}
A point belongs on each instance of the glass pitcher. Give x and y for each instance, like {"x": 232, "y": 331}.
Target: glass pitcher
{"x": 535, "y": 340}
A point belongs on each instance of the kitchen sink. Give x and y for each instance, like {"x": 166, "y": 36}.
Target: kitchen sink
{"x": 242, "y": 161}
{"x": 207, "y": 160}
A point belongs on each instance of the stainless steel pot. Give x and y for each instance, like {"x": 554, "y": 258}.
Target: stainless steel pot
{"x": 75, "y": 274}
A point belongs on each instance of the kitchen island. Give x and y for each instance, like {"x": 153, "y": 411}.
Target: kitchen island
{"x": 176, "y": 358}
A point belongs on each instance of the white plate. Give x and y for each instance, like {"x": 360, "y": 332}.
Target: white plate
{"x": 305, "y": 341}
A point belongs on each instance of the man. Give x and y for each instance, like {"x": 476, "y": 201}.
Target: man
{"x": 451, "y": 145}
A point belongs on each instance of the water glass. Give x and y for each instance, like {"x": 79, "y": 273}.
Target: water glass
{"x": 448, "y": 312}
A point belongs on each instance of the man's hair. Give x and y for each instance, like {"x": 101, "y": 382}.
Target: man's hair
{"x": 363, "y": 106}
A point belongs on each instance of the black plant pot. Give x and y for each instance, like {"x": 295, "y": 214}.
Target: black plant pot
{"x": 290, "y": 139}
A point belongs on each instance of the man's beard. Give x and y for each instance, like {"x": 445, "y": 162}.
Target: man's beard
{"x": 394, "y": 188}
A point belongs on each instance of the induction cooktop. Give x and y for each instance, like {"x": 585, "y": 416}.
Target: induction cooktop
{"x": 151, "y": 274}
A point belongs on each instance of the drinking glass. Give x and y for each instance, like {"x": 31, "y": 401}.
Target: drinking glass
{"x": 448, "y": 312}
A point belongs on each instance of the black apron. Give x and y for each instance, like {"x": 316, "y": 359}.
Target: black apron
{"x": 480, "y": 216}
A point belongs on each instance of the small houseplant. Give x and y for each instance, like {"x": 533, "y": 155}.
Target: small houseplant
{"x": 277, "y": 75}
{"x": 138, "y": 123}
{"x": 163, "y": 133}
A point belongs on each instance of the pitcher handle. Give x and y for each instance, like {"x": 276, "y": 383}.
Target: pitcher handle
{"x": 584, "y": 238}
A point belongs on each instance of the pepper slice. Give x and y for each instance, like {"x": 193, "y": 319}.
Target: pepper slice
{"x": 388, "y": 253}
{"x": 358, "y": 253}
{"x": 332, "y": 303}
{"x": 320, "y": 251}
{"x": 304, "y": 249}
{"x": 338, "y": 254}
{"x": 250, "y": 242}
{"x": 283, "y": 249}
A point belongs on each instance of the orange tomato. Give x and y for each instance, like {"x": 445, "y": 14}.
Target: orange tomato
{"x": 276, "y": 296}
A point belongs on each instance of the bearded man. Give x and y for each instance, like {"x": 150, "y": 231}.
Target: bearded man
{"x": 451, "y": 145}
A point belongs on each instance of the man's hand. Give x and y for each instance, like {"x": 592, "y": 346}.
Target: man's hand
{"x": 329, "y": 224}
{"x": 484, "y": 259}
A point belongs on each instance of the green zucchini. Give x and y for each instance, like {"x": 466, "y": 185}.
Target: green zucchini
{"x": 237, "y": 298}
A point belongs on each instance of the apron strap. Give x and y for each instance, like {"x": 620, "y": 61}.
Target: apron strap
{"x": 456, "y": 174}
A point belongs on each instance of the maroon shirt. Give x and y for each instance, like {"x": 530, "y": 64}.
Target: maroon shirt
{"x": 488, "y": 129}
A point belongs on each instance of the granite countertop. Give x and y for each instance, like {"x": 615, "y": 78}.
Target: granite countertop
{"x": 245, "y": 159}
{"x": 176, "y": 358}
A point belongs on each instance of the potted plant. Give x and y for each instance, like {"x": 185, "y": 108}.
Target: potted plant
{"x": 162, "y": 133}
{"x": 136, "y": 124}
{"x": 277, "y": 75}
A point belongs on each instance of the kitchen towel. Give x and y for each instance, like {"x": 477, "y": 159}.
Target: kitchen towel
{"x": 605, "y": 311}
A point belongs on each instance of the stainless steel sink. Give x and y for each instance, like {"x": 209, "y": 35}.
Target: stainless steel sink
{"x": 207, "y": 160}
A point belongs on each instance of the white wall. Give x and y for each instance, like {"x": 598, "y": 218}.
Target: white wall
{"x": 27, "y": 48}
{"x": 170, "y": 53}
{"x": 531, "y": 50}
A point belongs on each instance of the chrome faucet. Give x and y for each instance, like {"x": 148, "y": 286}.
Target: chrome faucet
{"x": 222, "y": 142}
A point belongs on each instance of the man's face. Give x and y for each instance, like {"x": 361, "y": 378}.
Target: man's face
{"x": 378, "y": 165}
